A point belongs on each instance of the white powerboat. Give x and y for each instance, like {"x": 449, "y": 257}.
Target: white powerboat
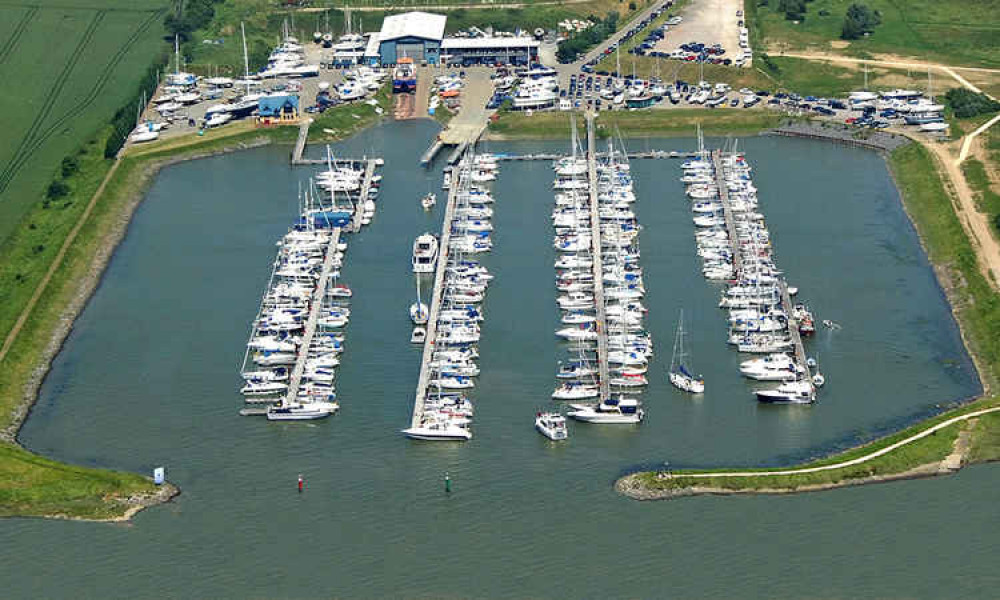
{"x": 301, "y": 411}
{"x": 425, "y": 249}
{"x": 552, "y": 426}
{"x": 792, "y": 392}
{"x": 613, "y": 411}
{"x": 438, "y": 431}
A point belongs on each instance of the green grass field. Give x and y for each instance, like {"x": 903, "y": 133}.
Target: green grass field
{"x": 67, "y": 71}
{"x": 957, "y": 32}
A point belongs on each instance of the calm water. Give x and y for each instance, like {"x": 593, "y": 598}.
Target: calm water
{"x": 148, "y": 377}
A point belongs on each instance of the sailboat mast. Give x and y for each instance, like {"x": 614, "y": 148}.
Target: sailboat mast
{"x": 246, "y": 61}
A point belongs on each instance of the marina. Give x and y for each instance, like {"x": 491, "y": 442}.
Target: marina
{"x": 511, "y": 475}
{"x": 442, "y": 411}
{"x": 736, "y": 247}
{"x": 297, "y": 339}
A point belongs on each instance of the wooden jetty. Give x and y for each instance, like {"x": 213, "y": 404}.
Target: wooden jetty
{"x": 727, "y": 212}
{"x": 786, "y": 301}
{"x": 314, "y": 309}
{"x": 793, "y": 331}
{"x": 597, "y": 262}
{"x": 359, "y": 204}
{"x": 300, "y": 142}
{"x": 459, "y": 182}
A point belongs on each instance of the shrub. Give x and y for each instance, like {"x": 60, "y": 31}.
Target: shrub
{"x": 70, "y": 165}
{"x": 965, "y": 103}
{"x": 859, "y": 20}
{"x": 56, "y": 189}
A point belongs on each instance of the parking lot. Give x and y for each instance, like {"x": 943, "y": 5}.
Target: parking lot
{"x": 707, "y": 22}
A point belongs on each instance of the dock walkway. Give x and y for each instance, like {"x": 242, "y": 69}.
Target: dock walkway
{"x": 300, "y": 142}
{"x": 786, "y": 301}
{"x": 596, "y": 259}
{"x": 314, "y": 309}
{"x": 727, "y": 211}
{"x": 359, "y": 204}
{"x": 793, "y": 331}
{"x": 437, "y": 296}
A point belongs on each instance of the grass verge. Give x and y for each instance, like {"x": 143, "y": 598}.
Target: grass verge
{"x": 33, "y": 486}
{"x": 977, "y": 309}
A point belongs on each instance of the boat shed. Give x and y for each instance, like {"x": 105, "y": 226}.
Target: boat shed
{"x": 415, "y": 35}
{"x": 278, "y": 108}
{"x": 490, "y": 51}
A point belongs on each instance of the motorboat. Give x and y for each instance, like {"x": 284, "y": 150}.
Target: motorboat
{"x": 612, "y": 411}
{"x": 419, "y": 335}
{"x": 551, "y": 425}
{"x": 425, "y": 250}
{"x": 305, "y": 411}
{"x": 438, "y": 430}
{"x": 428, "y": 201}
{"x": 792, "y": 392}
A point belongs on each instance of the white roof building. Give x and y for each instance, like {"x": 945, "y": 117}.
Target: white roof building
{"x": 484, "y": 43}
{"x": 415, "y": 24}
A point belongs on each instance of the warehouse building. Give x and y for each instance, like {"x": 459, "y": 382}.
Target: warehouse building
{"x": 490, "y": 51}
{"x": 414, "y": 35}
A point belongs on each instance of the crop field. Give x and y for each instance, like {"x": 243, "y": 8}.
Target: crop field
{"x": 66, "y": 68}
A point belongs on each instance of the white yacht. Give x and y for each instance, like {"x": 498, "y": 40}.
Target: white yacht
{"x": 792, "y": 392}
{"x": 301, "y": 411}
{"x": 425, "y": 250}
{"x": 438, "y": 431}
{"x": 613, "y": 411}
{"x": 428, "y": 201}
{"x": 552, "y": 426}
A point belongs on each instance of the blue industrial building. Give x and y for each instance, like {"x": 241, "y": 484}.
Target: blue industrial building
{"x": 413, "y": 35}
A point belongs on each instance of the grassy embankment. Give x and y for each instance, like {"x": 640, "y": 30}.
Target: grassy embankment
{"x": 104, "y": 48}
{"x": 655, "y": 123}
{"x": 34, "y": 486}
{"x": 977, "y": 174}
{"x": 977, "y": 308}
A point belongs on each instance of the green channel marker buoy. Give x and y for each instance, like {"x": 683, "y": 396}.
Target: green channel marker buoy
{"x": 447, "y": 483}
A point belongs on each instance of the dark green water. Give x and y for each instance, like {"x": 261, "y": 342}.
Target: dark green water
{"x": 148, "y": 377}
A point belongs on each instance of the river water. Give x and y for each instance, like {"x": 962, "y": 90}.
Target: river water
{"x": 148, "y": 377}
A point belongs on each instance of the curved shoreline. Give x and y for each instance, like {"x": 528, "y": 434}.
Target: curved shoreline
{"x": 949, "y": 277}
{"x": 633, "y": 486}
{"x": 86, "y": 285}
